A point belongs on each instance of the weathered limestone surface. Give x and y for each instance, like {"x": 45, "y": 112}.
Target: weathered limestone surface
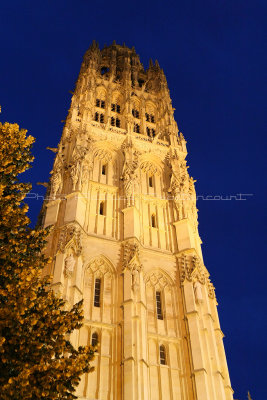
{"x": 123, "y": 210}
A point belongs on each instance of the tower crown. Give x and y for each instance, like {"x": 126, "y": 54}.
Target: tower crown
{"x": 120, "y": 63}
{"x": 114, "y": 90}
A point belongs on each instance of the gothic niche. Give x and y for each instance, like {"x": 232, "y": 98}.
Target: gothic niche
{"x": 131, "y": 262}
{"x": 193, "y": 270}
{"x": 99, "y": 271}
{"x": 159, "y": 294}
{"x": 129, "y": 174}
{"x": 69, "y": 265}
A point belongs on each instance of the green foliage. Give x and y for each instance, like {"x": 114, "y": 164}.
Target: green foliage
{"x": 37, "y": 359}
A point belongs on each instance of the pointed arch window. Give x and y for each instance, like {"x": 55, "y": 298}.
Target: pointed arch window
{"x": 102, "y": 208}
{"x": 135, "y": 113}
{"x": 100, "y": 103}
{"x": 150, "y": 181}
{"x": 97, "y": 292}
{"x": 150, "y": 118}
{"x": 104, "y": 169}
{"x": 159, "y": 305}
{"x": 150, "y": 132}
{"x": 115, "y": 122}
{"x": 153, "y": 221}
{"x": 162, "y": 355}
{"x": 94, "y": 340}
{"x": 136, "y": 128}
{"x": 104, "y": 70}
{"x": 99, "y": 117}
{"x": 116, "y": 108}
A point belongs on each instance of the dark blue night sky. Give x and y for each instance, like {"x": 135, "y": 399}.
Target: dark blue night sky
{"x": 211, "y": 52}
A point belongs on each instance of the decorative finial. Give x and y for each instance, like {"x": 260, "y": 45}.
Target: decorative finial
{"x": 150, "y": 63}
{"x": 94, "y": 45}
{"x": 249, "y": 396}
{"x": 114, "y": 43}
{"x": 157, "y": 64}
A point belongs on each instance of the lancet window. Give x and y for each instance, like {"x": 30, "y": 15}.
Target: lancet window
{"x": 159, "y": 305}
{"x": 94, "y": 340}
{"x": 100, "y": 103}
{"x": 135, "y": 113}
{"x": 115, "y": 122}
{"x": 97, "y": 292}
{"x": 162, "y": 355}
{"x": 102, "y": 208}
{"x": 150, "y": 132}
{"x": 150, "y": 118}
{"x": 104, "y": 169}
{"x": 136, "y": 128}
{"x": 116, "y": 108}
{"x": 153, "y": 221}
{"x": 99, "y": 117}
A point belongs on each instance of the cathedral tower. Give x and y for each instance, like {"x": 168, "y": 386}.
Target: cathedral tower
{"x": 125, "y": 238}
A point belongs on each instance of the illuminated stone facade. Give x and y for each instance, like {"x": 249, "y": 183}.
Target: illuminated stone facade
{"x": 125, "y": 238}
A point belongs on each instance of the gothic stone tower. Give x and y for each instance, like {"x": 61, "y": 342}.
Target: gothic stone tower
{"x": 125, "y": 238}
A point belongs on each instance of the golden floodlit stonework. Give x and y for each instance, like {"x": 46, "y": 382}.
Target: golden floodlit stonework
{"x": 125, "y": 238}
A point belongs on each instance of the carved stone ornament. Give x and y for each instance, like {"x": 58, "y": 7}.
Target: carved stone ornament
{"x": 157, "y": 279}
{"x": 192, "y": 269}
{"x": 103, "y": 154}
{"x": 150, "y": 168}
{"x": 70, "y": 235}
{"x": 98, "y": 268}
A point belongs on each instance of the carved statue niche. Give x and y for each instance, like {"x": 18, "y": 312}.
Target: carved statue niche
{"x": 198, "y": 292}
{"x": 129, "y": 174}
{"x": 75, "y": 173}
{"x": 175, "y": 184}
{"x": 69, "y": 265}
{"x": 132, "y": 262}
{"x": 79, "y": 153}
{"x": 87, "y": 166}
{"x": 56, "y": 180}
{"x": 70, "y": 233}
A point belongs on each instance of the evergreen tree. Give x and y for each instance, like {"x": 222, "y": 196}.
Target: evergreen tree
{"x": 37, "y": 360}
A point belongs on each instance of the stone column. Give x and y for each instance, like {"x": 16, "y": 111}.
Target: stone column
{"x": 135, "y": 363}
{"x": 193, "y": 319}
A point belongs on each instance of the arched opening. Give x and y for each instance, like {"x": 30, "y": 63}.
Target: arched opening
{"x": 153, "y": 221}
{"x": 162, "y": 355}
{"x": 136, "y": 128}
{"x": 102, "y": 208}
{"x": 94, "y": 340}
{"x": 104, "y": 70}
{"x": 104, "y": 169}
{"x": 159, "y": 305}
{"x": 97, "y": 292}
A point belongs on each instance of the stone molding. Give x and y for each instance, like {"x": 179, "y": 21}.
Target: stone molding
{"x": 192, "y": 269}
